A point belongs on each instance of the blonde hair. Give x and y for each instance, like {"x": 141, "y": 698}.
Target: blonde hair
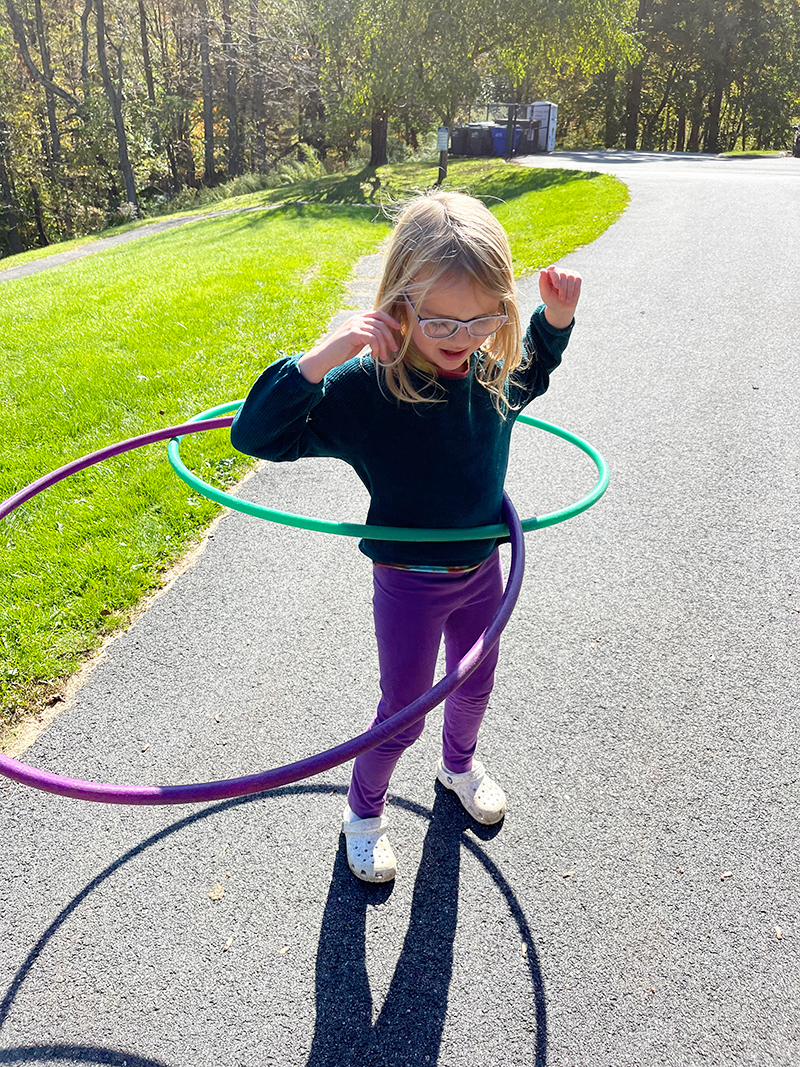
{"x": 438, "y": 237}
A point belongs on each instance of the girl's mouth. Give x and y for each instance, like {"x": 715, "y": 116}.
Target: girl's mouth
{"x": 459, "y": 355}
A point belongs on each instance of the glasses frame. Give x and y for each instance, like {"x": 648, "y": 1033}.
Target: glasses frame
{"x": 458, "y": 323}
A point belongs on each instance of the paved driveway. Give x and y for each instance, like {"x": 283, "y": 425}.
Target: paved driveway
{"x": 640, "y": 904}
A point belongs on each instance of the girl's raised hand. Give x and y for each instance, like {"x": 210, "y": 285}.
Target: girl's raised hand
{"x": 370, "y": 329}
{"x": 560, "y": 290}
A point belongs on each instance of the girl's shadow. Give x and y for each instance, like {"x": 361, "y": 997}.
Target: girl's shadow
{"x": 409, "y": 1027}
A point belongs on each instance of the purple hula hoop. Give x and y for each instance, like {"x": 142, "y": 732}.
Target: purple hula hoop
{"x": 291, "y": 772}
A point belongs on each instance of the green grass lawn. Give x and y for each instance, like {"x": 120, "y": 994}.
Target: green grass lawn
{"x": 754, "y": 154}
{"x": 149, "y": 333}
{"x": 546, "y": 212}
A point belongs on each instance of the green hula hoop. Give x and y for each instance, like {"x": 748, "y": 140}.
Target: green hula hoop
{"x": 392, "y": 533}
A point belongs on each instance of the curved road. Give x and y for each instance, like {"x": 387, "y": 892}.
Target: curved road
{"x": 640, "y": 905}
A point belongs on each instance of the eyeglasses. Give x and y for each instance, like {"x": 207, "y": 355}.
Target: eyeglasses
{"x": 481, "y": 328}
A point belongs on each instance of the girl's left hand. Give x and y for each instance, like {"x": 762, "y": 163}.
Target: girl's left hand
{"x": 560, "y": 290}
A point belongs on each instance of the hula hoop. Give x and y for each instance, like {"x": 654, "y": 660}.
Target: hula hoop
{"x": 393, "y": 533}
{"x": 292, "y": 772}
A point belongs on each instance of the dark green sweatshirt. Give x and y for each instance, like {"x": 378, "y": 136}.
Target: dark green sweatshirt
{"x": 424, "y": 465}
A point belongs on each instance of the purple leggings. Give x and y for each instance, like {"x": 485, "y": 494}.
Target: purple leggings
{"x": 412, "y": 610}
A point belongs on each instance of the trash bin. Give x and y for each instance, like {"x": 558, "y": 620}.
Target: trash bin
{"x": 459, "y": 141}
{"x": 480, "y": 139}
{"x": 531, "y": 139}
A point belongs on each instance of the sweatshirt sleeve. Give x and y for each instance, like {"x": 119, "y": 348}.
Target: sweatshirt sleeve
{"x": 544, "y": 345}
{"x": 273, "y": 423}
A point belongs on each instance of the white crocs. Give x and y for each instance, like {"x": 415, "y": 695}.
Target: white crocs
{"x": 480, "y": 795}
{"x": 369, "y": 854}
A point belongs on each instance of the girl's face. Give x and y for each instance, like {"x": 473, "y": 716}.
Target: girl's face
{"x": 451, "y": 298}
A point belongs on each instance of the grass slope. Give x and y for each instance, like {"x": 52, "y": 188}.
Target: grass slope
{"x": 112, "y": 346}
{"x": 147, "y": 334}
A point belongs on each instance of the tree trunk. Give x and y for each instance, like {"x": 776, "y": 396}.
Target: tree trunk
{"x": 315, "y": 115}
{"x": 184, "y": 161}
{"x": 737, "y": 132}
{"x": 410, "y": 135}
{"x": 9, "y": 208}
{"x": 680, "y": 136}
{"x": 649, "y": 131}
{"x": 632, "y": 105}
{"x": 229, "y": 52}
{"x": 37, "y": 214}
{"x": 87, "y": 10}
{"x": 697, "y": 120}
{"x": 173, "y": 164}
{"x": 47, "y": 71}
{"x": 610, "y": 129}
{"x": 115, "y": 101}
{"x": 208, "y": 99}
{"x": 379, "y": 137}
{"x": 744, "y": 125}
{"x": 148, "y": 66}
{"x": 633, "y": 101}
{"x": 711, "y": 140}
{"x": 259, "y": 152}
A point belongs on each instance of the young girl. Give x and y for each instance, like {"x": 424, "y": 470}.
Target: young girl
{"x": 425, "y": 420}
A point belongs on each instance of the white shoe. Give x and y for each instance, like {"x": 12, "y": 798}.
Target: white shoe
{"x": 369, "y": 854}
{"x": 480, "y": 795}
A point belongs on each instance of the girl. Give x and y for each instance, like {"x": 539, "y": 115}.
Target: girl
{"x": 425, "y": 420}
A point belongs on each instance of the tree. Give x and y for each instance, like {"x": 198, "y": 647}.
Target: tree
{"x": 235, "y": 161}
{"x": 208, "y": 94}
{"x": 455, "y": 38}
{"x": 114, "y": 97}
{"x": 9, "y": 207}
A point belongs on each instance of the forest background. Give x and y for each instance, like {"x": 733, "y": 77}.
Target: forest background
{"x": 113, "y": 109}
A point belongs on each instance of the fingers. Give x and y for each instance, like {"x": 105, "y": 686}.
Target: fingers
{"x": 559, "y": 284}
{"x": 374, "y": 329}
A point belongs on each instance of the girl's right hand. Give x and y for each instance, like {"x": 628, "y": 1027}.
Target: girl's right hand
{"x": 370, "y": 329}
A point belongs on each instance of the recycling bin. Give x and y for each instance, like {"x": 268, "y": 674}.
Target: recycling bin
{"x": 500, "y": 136}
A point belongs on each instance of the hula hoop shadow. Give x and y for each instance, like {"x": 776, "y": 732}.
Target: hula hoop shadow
{"x": 90, "y": 1054}
{"x": 472, "y": 842}
{"x": 293, "y": 772}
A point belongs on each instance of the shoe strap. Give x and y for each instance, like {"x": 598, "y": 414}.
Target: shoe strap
{"x": 365, "y": 826}
{"x": 476, "y": 774}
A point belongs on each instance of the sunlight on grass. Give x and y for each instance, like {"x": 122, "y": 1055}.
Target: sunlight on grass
{"x": 110, "y": 347}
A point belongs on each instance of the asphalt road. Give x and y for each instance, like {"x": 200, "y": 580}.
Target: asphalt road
{"x": 640, "y": 904}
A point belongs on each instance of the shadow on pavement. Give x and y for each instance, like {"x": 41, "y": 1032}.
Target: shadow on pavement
{"x": 409, "y": 1027}
{"x": 74, "y": 1054}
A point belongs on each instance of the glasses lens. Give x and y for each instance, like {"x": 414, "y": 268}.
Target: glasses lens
{"x": 486, "y": 327}
{"x": 439, "y": 328}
